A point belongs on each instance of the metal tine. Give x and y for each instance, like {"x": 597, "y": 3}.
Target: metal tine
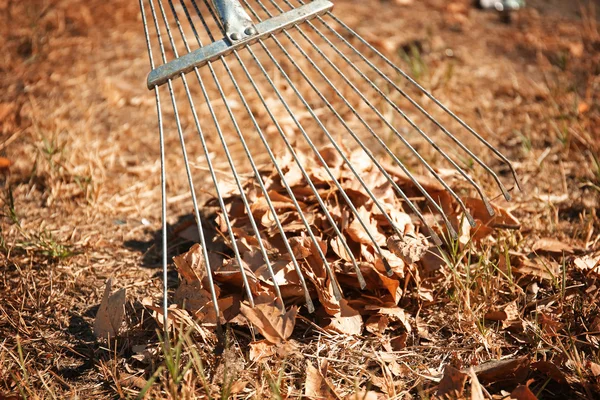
{"x": 334, "y": 143}
{"x": 381, "y": 142}
{"x": 408, "y": 119}
{"x": 355, "y": 136}
{"x": 273, "y": 159}
{"x": 336, "y": 288}
{"x": 309, "y": 302}
{"x": 163, "y": 185}
{"x": 431, "y": 97}
{"x": 228, "y": 155}
{"x": 313, "y": 147}
{"x": 210, "y": 167}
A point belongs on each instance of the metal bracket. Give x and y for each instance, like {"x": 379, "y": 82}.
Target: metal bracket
{"x": 220, "y": 48}
{"x": 236, "y": 21}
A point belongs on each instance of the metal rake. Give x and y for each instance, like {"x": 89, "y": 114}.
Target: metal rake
{"x": 254, "y": 56}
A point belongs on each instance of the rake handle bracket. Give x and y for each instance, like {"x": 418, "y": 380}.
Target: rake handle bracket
{"x": 236, "y": 21}
{"x": 215, "y": 50}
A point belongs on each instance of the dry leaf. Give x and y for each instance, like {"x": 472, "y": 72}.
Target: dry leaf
{"x": 552, "y": 246}
{"x": 551, "y": 370}
{"x": 512, "y": 370}
{"x": 110, "y": 314}
{"x": 269, "y": 319}
{"x": 261, "y": 349}
{"x": 315, "y": 386}
{"x": 588, "y": 264}
{"x": 409, "y": 247}
{"x": 522, "y": 392}
{"x": 4, "y": 164}
{"x": 347, "y": 320}
{"x": 452, "y": 383}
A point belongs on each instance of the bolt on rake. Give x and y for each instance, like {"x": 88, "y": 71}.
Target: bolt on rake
{"x": 296, "y": 74}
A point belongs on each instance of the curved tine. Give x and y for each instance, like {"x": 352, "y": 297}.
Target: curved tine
{"x": 412, "y": 206}
{"x": 406, "y": 143}
{"x": 231, "y": 163}
{"x": 210, "y": 167}
{"x": 421, "y": 109}
{"x": 163, "y": 178}
{"x": 309, "y": 303}
{"x": 337, "y": 289}
{"x": 334, "y": 143}
{"x": 335, "y": 285}
{"x": 324, "y": 163}
{"x": 431, "y": 97}
{"x": 313, "y": 147}
{"x": 414, "y": 125}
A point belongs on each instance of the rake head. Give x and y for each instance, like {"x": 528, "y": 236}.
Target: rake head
{"x": 322, "y": 123}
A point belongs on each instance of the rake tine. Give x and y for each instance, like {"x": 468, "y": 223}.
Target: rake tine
{"x": 406, "y": 118}
{"x": 335, "y": 284}
{"x": 334, "y": 143}
{"x": 205, "y": 148}
{"x": 409, "y": 120}
{"x": 431, "y": 97}
{"x": 163, "y": 187}
{"x": 255, "y": 169}
{"x": 406, "y": 143}
{"x": 229, "y": 159}
{"x": 355, "y": 136}
{"x": 317, "y": 154}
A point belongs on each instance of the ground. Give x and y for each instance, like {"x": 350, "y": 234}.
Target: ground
{"x": 81, "y": 203}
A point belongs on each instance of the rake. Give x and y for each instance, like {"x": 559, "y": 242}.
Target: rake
{"x": 255, "y": 56}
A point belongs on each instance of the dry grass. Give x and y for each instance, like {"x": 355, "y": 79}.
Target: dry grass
{"x": 81, "y": 202}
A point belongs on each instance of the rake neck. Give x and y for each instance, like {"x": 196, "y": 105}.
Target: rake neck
{"x": 237, "y": 23}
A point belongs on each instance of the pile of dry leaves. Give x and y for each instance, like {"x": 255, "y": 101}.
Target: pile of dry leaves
{"x": 411, "y": 256}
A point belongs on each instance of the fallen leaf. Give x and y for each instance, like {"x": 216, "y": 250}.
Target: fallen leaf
{"x": 410, "y": 248}
{"x": 594, "y": 368}
{"x": 511, "y": 370}
{"x": 522, "y": 392}
{"x": 315, "y": 386}
{"x": 551, "y": 370}
{"x": 588, "y": 264}
{"x": 4, "y": 164}
{"x": 552, "y": 246}
{"x": 452, "y": 383}
{"x": 261, "y": 349}
{"x": 347, "y": 321}
{"x": 275, "y": 325}
{"x": 110, "y": 314}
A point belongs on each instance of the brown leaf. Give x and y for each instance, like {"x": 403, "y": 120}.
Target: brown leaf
{"x": 588, "y": 264}
{"x": 409, "y": 247}
{"x": 110, "y": 314}
{"x": 452, "y": 383}
{"x": 522, "y": 392}
{"x": 551, "y": 370}
{"x": 4, "y": 164}
{"x": 191, "y": 265}
{"x": 509, "y": 315}
{"x": 261, "y": 349}
{"x": 511, "y": 370}
{"x": 552, "y": 246}
{"x": 269, "y": 319}
{"x": 347, "y": 321}
{"x": 357, "y": 232}
{"x": 338, "y": 247}
{"x": 594, "y": 368}
{"x": 315, "y": 386}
